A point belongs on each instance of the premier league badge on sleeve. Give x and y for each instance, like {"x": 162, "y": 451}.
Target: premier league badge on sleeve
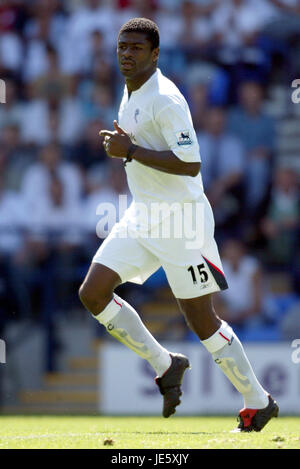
{"x": 183, "y": 138}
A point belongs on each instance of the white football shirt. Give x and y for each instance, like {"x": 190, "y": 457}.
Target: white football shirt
{"x": 157, "y": 117}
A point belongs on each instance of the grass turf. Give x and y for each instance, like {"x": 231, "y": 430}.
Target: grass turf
{"x": 83, "y": 432}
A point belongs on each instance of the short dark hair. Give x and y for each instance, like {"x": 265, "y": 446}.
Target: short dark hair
{"x": 145, "y": 26}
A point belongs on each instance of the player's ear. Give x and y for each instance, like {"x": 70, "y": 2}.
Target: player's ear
{"x": 155, "y": 54}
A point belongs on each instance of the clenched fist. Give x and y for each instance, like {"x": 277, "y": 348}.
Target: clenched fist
{"x": 117, "y": 142}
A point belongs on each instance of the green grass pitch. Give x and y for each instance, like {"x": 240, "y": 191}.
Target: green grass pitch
{"x": 90, "y": 432}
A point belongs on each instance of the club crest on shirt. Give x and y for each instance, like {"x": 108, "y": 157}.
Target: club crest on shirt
{"x": 183, "y": 138}
{"x": 132, "y": 137}
{"x": 136, "y": 113}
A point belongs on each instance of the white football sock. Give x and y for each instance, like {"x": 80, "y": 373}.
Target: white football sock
{"x": 124, "y": 323}
{"x": 228, "y": 353}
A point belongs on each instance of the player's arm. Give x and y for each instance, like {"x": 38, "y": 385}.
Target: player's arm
{"x": 164, "y": 161}
{"x": 118, "y": 145}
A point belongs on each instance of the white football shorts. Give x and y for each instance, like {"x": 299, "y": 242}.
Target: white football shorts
{"x": 183, "y": 244}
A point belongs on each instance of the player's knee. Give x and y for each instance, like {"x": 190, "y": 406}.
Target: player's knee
{"x": 191, "y": 322}
{"x": 188, "y": 315}
{"x": 84, "y": 294}
{"x": 198, "y": 326}
{"x": 200, "y": 316}
{"x": 93, "y": 300}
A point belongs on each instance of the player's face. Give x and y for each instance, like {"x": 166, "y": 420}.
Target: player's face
{"x": 135, "y": 55}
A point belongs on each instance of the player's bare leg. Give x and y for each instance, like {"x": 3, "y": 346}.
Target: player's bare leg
{"x": 123, "y": 322}
{"x": 97, "y": 288}
{"x": 227, "y": 351}
{"x": 119, "y": 318}
{"x": 200, "y": 315}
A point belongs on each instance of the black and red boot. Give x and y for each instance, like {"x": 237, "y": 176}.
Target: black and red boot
{"x": 170, "y": 383}
{"x": 254, "y": 420}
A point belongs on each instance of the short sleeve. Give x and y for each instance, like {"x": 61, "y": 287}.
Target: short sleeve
{"x": 175, "y": 125}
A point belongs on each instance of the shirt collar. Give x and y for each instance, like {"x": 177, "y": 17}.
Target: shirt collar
{"x": 145, "y": 85}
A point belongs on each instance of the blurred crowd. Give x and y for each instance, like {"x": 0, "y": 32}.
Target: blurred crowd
{"x": 57, "y": 59}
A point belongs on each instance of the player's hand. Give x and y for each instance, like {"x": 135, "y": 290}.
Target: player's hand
{"x": 116, "y": 143}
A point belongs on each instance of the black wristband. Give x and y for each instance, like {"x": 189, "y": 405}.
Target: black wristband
{"x": 130, "y": 152}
